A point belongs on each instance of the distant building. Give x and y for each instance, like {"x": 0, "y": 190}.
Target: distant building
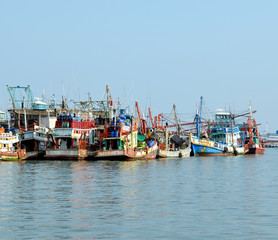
{"x": 270, "y": 139}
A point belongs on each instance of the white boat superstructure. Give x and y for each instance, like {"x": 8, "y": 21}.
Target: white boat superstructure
{"x": 35, "y": 140}
{"x": 8, "y": 141}
{"x": 71, "y": 138}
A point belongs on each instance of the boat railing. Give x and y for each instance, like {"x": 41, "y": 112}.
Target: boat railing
{"x": 6, "y": 134}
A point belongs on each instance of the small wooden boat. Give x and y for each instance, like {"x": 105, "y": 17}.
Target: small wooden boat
{"x": 174, "y": 153}
{"x": 171, "y": 145}
{"x": 145, "y": 154}
{"x": 35, "y": 140}
{"x": 9, "y": 147}
{"x": 253, "y": 139}
{"x": 13, "y": 155}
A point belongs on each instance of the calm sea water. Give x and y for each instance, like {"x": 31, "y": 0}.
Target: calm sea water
{"x": 190, "y": 198}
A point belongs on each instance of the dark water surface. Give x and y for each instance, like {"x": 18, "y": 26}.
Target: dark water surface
{"x": 190, "y": 198}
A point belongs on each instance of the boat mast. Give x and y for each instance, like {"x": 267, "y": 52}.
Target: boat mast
{"x": 140, "y": 119}
{"x": 150, "y": 113}
{"x": 199, "y": 117}
{"x": 25, "y": 120}
{"x": 167, "y": 136}
{"x": 250, "y": 121}
{"x": 250, "y": 109}
{"x": 232, "y": 129}
{"x": 8, "y": 117}
{"x": 109, "y": 103}
{"x": 177, "y": 122}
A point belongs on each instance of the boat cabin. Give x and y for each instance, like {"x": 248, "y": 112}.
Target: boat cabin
{"x": 223, "y": 119}
{"x": 8, "y": 141}
{"x": 2, "y": 116}
{"x": 69, "y": 129}
{"x": 224, "y": 130}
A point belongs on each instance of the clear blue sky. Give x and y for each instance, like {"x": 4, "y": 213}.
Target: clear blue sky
{"x": 158, "y": 52}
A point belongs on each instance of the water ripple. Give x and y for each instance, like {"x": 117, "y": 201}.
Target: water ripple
{"x": 192, "y": 198}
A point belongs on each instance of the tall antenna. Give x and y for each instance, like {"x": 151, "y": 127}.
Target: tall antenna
{"x": 125, "y": 99}
{"x": 177, "y": 122}
{"x": 63, "y": 88}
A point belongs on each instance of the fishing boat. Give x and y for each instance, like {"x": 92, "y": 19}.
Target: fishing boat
{"x": 204, "y": 146}
{"x": 9, "y": 147}
{"x": 178, "y": 148}
{"x": 253, "y": 138}
{"x": 145, "y": 149}
{"x": 121, "y": 141}
{"x": 35, "y": 139}
{"x": 71, "y": 138}
{"x": 224, "y": 130}
{"x": 171, "y": 145}
{"x": 222, "y": 138}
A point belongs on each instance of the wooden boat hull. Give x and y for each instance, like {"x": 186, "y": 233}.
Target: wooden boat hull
{"x": 200, "y": 150}
{"x": 240, "y": 150}
{"x": 91, "y": 154}
{"x": 15, "y": 155}
{"x": 205, "y": 147}
{"x": 111, "y": 155}
{"x": 66, "y": 154}
{"x": 35, "y": 155}
{"x": 255, "y": 149}
{"x": 128, "y": 154}
{"x": 174, "y": 154}
{"x": 203, "y": 150}
{"x": 146, "y": 154}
